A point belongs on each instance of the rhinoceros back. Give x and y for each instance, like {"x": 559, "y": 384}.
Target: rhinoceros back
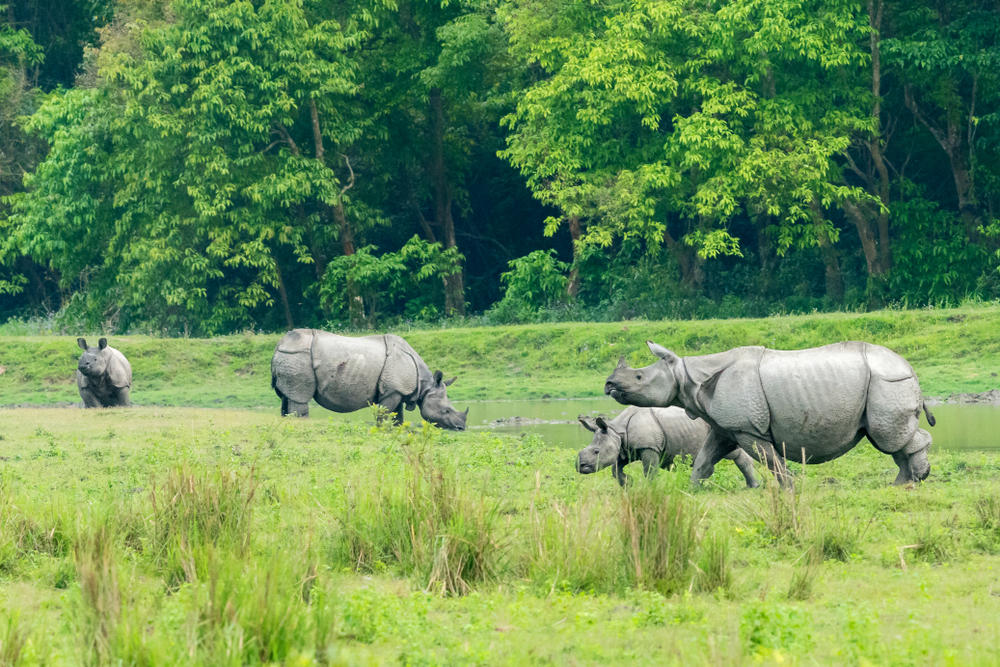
{"x": 347, "y": 370}
{"x": 816, "y": 397}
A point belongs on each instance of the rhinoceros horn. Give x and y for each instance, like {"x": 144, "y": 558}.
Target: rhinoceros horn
{"x": 621, "y": 362}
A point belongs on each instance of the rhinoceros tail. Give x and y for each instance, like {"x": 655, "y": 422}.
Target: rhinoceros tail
{"x": 930, "y": 417}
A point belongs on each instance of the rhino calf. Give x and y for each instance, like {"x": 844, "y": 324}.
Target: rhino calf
{"x": 103, "y": 376}
{"x": 344, "y": 374}
{"x": 654, "y": 436}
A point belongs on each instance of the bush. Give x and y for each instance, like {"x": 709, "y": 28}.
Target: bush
{"x": 429, "y": 523}
{"x": 774, "y": 627}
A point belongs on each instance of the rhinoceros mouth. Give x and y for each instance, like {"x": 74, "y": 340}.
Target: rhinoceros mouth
{"x": 585, "y": 468}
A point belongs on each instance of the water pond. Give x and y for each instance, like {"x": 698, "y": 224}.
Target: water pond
{"x": 959, "y": 426}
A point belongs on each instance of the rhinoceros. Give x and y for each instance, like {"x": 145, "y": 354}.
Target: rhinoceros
{"x": 345, "y": 374}
{"x": 654, "y": 436}
{"x": 810, "y": 405}
{"x": 103, "y": 376}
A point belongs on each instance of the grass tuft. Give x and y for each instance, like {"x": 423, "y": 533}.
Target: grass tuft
{"x": 659, "y": 532}
{"x": 428, "y": 522}
{"x": 192, "y": 510}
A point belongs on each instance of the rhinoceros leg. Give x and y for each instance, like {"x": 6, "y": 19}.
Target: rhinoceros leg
{"x": 288, "y": 406}
{"x": 393, "y": 402}
{"x": 650, "y": 462}
{"x": 745, "y": 464}
{"x": 768, "y": 454}
{"x": 121, "y": 398}
{"x": 90, "y": 399}
{"x": 715, "y": 449}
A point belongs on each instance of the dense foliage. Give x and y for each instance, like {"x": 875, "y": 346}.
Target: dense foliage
{"x": 206, "y": 166}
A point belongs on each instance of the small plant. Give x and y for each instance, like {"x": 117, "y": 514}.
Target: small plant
{"x": 192, "y": 509}
{"x": 97, "y": 572}
{"x": 935, "y": 543}
{"x": 767, "y": 628}
{"x": 429, "y": 523}
{"x": 13, "y": 639}
{"x": 800, "y": 587}
{"x": 715, "y": 569}
{"x": 659, "y": 532}
{"x": 987, "y": 507}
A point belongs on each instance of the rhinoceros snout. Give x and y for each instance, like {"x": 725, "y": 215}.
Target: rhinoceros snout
{"x": 608, "y": 388}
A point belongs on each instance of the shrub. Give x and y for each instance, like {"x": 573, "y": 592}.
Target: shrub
{"x": 191, "y": 510}
{"x": 429, "y": 523}
{"x": 773, "y": 627}
{"x": 659, "y": 533}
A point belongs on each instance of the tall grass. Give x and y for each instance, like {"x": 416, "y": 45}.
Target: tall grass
{"x": 192, "y": 510}
{"x": 23, "y": 532}
{"x": 427, "y": 521}
{"x": 659, "y": 531}
{"x": 572, "y": 546}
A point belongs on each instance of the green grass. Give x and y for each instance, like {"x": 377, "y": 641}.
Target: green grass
{"x": 954, "y": 350}
{"x": 185, "y": 536}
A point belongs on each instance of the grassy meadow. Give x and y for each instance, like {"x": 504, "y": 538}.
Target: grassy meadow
{"x": 953, "y": 350}
{"x": 181, "y": 536}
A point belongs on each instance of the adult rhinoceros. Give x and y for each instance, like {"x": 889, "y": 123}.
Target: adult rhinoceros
{"x": 345, "y": 374}
{"x": 654, "y": 436}
{"x": 809, "y": 405}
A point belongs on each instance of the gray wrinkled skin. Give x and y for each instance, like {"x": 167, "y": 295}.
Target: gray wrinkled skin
{"x": 654, "y": 436}
{"x": 345, "y": 374}
{"x": 808, "y": 405}
{"x": 103, "y": 376}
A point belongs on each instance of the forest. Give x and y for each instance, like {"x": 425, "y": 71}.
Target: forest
{"x": 201, "y": 167}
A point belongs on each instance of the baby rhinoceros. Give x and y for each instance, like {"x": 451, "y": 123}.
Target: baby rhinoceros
{"x": 103, "y": 376}
{"x": 654, "y": 436}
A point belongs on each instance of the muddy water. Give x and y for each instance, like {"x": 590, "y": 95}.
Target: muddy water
{"x": 961, "y": 427}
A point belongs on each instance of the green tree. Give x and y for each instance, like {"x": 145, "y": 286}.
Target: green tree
{"x": 212, "y": 178}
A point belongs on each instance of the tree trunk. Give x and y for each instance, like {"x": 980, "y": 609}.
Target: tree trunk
{"x": 688, "y": 260}
{"x": 355, "y": 304}
{"x": 868, "y": 243}
{"x": 454, "y": 298}
{"x": 834, "y": 279}
{"x": 284, "y": 297}
{"x": 875, "y": 11}
{"x": 573, "y": 288}
{"x": 950, "y": 140}
{"x": 767, "y": 259}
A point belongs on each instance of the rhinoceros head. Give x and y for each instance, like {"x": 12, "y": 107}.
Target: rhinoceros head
{"x": 436, "y": 408}
{"x": 649, "y": 387}
{"x": 602, "y": 451}
{"x": 93, "y": 362}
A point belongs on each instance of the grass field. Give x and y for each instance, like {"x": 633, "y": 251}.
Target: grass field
{"x": 955, "y": 350}
{"x": 179, "y": 536}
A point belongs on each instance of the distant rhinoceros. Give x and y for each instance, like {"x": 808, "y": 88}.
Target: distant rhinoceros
{"x": 651, "y": 435}
{"x": 103, "y": 376}
{"x": 809, "y": 405}
{"x": 345, "y": 374}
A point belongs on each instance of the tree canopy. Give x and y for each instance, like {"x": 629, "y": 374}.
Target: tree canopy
{"x": 206, "y": 166}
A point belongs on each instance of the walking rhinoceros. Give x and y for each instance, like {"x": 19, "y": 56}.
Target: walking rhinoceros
{"x": 345, "y": 374}
{"x": 808, "y": 405}
{"x": 103, "y": 376}
{"x": 654, "y": 436}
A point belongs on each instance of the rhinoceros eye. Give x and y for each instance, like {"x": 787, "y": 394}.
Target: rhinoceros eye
{"x": 638, "y": 376}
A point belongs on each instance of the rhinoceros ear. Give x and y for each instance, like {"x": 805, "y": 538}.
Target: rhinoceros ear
{"x": 437, "y": 377}
{"x": 448, "y": 383}
{"x": 82, "y": 342}
{"x": 588, "y": 424}
{"x": 103, "y": 343}
{"x": 601, "y": 424}
{"x": 662, "y": 352}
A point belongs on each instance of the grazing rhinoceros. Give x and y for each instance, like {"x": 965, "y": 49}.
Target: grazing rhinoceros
{"x": 345, "y": 374}
{"x": 651, "y": 435}
{"x": 103, "y": 376}
{"x": 809, "y": 405}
